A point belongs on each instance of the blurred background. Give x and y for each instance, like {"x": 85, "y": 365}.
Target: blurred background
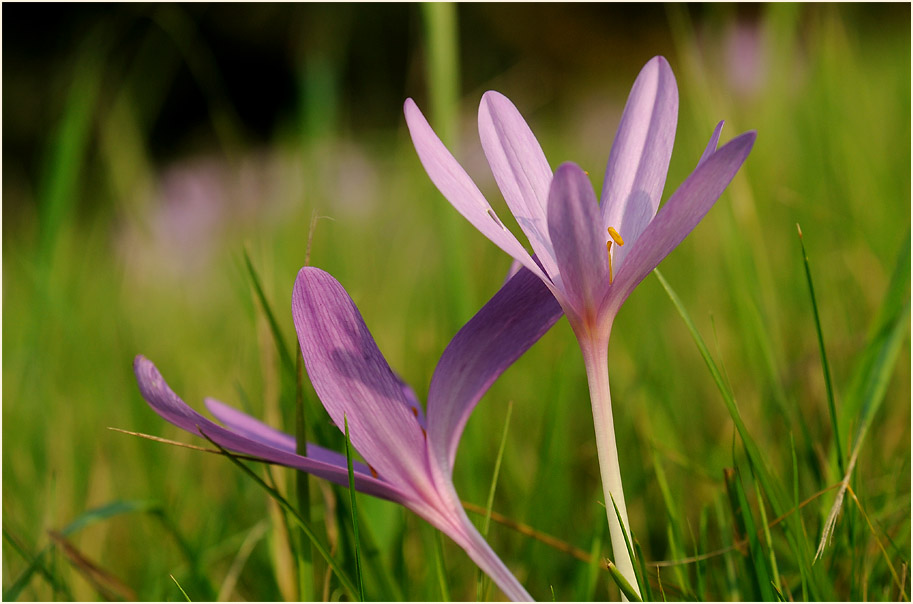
{"x": 147, "y": 148}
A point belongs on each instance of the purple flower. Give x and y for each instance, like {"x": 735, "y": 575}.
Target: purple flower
{"x": 591, "y": 256}
{"x": 409, "y": 456}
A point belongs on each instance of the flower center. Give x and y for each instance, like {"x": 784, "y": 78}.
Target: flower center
{"x": 608, "y": 246}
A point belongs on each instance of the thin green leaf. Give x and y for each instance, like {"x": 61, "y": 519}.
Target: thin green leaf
{"x": 186, "y": 597}
{"x": 622, "y": 583}
{"x": 440, "y": 571}
{"x": 820, "y": 589}
{"x": 358, "y": 568}
{"x": 307, "y": 589}
{"x": 115, "y": 508}
{"x": 482, "y": 582}
{"x": 281, "y": 346}
{"x": 637, "y": 576}
{"x": 305, "y": 526}
{"x": 641, "y": 560}
{"x": 587, "y": 591}
{"x": 831, "y": 404}
{"x": 672, "y": 525}
{"x": 35, "y": 564}
{"x": 741, "y": 511}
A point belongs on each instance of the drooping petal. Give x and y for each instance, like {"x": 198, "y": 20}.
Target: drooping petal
{"x": 520, "y": 169}
{"x": 174, "y": 410}
{"x": 678, "y": 217}
{"x": 640, "y": 154}
{"x": 252, "y": 428}
{"x": 512, "y": 321}
{"x": 575, "y": 229}
{"x": 465, "y": 534}
{"x": 354, "y": 381}
{"x": 453, "y": 182}
{"x": 712, "y": 143}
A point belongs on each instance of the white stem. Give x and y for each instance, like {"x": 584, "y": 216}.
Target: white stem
{"x": 595, "y": 358}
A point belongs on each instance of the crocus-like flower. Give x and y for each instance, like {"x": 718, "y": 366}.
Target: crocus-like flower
{"x": 590, "y": 256}
{"x": 409, "y": 456}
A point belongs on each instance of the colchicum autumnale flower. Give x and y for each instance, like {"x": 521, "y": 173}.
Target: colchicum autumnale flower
{"x": 590, "y": 255}
{"x": 409, "y": 457}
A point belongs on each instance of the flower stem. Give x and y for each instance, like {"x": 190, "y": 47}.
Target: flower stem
{"x": 595, "y": 359}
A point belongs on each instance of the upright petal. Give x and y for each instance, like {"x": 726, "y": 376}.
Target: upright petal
{"x": 512, "y": 321}
{"x": 575, "y": 229}
{"x": 354, "y": 381}
{"x": 453, "y": 182}
{"x": 174, "y": 410}
{"x": 520, "y": 169}
{"x": 640, "y": 154}
{"x": 678, "y": 217}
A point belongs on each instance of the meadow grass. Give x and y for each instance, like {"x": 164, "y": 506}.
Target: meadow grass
{"x": 736, "y": 436}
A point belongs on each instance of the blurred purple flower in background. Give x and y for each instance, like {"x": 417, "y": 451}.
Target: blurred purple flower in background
{"x": 590, "y": 256}
{"x": 409, "y": 457}
{"x": 745, "y": 53}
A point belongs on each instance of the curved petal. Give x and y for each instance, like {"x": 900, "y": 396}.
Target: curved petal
{"x": 252, "y": 428}
{"x": 174, "y": 410}
{"x": 512, "y": 321}
{"x": 678, "y": 217}
{"x": 520, "y": 169}
{"x": 640, "y": 154}
{"x": 712, "y": 143}
{"x": 453, "y": 182}
{"x": 354, "y": 381}
{"x": 580, "y": 242}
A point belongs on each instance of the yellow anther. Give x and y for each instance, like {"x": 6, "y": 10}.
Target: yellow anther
{"x": 373, "y": 471}
{"x": 615, "y": 236}
{"x": 608, "y": 246}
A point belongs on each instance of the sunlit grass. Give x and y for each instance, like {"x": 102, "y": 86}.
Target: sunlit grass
{"x": 95, "y": 277}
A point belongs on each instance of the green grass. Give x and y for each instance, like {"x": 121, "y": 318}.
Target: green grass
{"x": 728, "y": 449}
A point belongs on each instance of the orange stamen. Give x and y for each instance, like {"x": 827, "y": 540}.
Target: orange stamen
{"x": 608, "y": 246}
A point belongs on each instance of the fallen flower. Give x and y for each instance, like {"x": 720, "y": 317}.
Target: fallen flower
{"x": 409, "y": 457}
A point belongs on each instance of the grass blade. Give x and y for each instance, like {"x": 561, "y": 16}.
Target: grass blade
{"x": 819, "y": 589}
{"x": 483, "y": 582}
{"x": 281, "y": 346}
{"x": 358, "y": 568}
{"x": 873, "y": 374}
{"x": 641, "y": 579}
{"x": 343, "y": 577}
{"x": 439, "y": 569}
{"x": 306, "y": 584}
{"x": 831, "y": 405}
{"x": 744, "y": 519}
{"x": 622, "y": 583}
{"x": 186, "y": 597}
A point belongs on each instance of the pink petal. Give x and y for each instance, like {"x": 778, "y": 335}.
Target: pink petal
{"x": 640, "y": 154}
{"x": 453, "y": 182}
{"x": 678, "y": 217}
{"x": 353, "y": 380}
{"x": 575, "y": 228}
{"x": 520, "y": 169}
{"x": 712, "y": 144}
{"x": 252, "y": 428}
{"x": 174, "y": 410}
{"x": 512, "y": 321}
